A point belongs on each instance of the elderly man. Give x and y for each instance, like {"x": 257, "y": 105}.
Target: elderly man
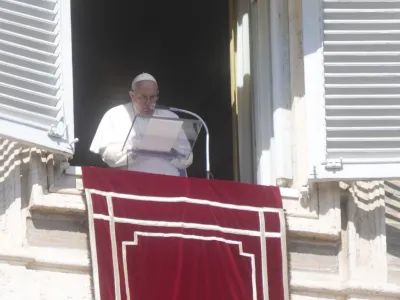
{"x": 116, "y": 123}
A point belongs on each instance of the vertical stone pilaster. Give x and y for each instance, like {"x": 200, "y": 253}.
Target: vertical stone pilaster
{"x": 365, "y": 237}
{"x": 10, "y": 195}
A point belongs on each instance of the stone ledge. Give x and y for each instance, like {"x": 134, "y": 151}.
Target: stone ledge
{"x": 59, "y": 203}
{"x": 306, "y": 282}
{"x": 15, "y": 257}
{"x": 72, "y": 201}
{"x": 67, "y": 196}
{"x": 299, "y": 227}
{"x": 50, "y": 259}
{"x": 75, "y": 204}
{"x": 59, "y": 259}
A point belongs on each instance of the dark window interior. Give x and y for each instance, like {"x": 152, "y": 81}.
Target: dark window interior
{"x": 183, "y": 43}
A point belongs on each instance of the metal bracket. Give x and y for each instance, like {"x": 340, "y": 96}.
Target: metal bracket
{"x": 55, "y": 131}
{"x": 334, "y": 164}
{"x": 306, "y": 192}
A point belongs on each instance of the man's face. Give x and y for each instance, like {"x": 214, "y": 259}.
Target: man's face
{"x": 144, "y": 97}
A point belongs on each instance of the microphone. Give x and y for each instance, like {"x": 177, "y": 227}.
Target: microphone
{"x": 184, "y": 111}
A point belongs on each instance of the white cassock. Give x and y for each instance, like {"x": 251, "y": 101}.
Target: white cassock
{"x": 112, "y": 132}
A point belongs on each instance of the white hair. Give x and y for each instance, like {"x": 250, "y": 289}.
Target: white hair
{"x": 142, "y": 77}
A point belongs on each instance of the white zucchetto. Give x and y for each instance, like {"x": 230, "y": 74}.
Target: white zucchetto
{"x": 142, "y": 77}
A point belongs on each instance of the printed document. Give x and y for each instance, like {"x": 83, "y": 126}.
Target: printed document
{"x": 160, "y": 135}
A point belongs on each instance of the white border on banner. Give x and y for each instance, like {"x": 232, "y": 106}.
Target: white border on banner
{"x": 112, "y": 220}
{"x": 185, "y": 236}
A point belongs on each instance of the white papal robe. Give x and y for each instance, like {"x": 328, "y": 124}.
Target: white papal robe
{"x": 110, "y": 137}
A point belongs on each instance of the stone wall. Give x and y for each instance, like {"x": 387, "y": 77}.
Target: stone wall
{"x": 337, "y": 234}
{"x": 43, "y": 252}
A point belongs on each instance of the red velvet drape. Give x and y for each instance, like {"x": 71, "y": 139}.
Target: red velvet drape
{"x": 172, "y": 238}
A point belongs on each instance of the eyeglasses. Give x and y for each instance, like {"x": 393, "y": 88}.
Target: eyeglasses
{"x": 143, "y": 98}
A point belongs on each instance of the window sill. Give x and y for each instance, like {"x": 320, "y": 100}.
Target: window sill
{"x": 67, "y": 196}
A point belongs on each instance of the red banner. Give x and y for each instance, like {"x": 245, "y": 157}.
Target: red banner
{"x": 156, "y": 237}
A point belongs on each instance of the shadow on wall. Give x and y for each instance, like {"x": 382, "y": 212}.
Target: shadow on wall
{"x": 16, "y": 185}
{"x": 9, "y": 161}
{"x": 392, "y": 205}
{"x": 364, "y": 203}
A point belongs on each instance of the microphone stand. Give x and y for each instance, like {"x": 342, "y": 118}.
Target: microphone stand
{"x": 174, "y": 109}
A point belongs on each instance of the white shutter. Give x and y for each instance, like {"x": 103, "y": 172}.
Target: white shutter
{"x": 36, "y": 73}
{"x": 352, "y": 88}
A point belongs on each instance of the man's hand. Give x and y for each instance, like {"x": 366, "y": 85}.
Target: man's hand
{"x": 182, "y": 163}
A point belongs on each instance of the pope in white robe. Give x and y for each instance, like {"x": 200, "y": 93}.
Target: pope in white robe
{"x": 115, "y": 125}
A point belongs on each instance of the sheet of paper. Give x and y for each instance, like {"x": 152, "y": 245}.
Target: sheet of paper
{"x": 160, "y": 135}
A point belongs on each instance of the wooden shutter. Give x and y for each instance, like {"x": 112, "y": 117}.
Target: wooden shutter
{"x": 352, "y": 85}
{"x": 36, "y": 73}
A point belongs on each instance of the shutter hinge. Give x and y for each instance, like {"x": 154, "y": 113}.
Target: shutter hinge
{"x": 56, "y": 132}
{"x": 59, "y": 133}
{"x": 334, "y": 164}
{"x": 306, "y": 193}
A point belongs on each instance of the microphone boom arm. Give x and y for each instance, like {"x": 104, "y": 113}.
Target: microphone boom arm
{"x": 174, "y": 109}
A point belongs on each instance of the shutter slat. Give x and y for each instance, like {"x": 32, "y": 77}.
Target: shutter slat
{"x": 48, "y": 4}
{"x": 33, "y": 106}
{"x": 361, "y": 14}
{"x": 354, "y": 48}
{"x": 357, "y": 107}
{"x": 363, "y": 91}
{"x": 28, "y": 73}
{"x": 29, "y": 84}
{"x": 373, "y": 78}
{"x": 360, "y": 75}
{"x": 27, "y": 21}
{"x": 368, "y": 26}
{"x": 25, "y": 116}
{"x": 362, "y": 31}
{"x": 363, "y": 118}
{"x": 28, "y": 13}
{"x": 380, "y": 41}
{"x": 28, "y": 52}
{"x": 368, "y": 96}
{"x": 28, "y": 94}
{"x": 31, "y": 43}
{"x": 28, "y": 62}
{"x": 342, "y": 23}
{"x": 351, "y": 4}
{"x": 366, "y": 128}
{"x": 362, "y": 86}
{"x": 30, "y": 31}
{"x": 345, "y": 123}
{"x": 31, "y": 11}
{"x": 364, "y": 139}
{"x": 355, "y": 152}
{"x": 30, "y": 81}
{"x": 362, "y": 11}
{"x": 365, "y": 64}
{"x": 359, "y": 53}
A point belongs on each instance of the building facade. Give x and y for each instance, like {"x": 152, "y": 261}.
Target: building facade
{"x": 316, "y": 102}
